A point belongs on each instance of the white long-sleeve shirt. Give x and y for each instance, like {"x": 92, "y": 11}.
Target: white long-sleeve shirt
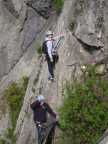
{"x": 50, "y": 47}
{"x": 51, "y": 43}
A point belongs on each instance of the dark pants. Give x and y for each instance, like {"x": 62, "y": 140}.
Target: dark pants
{"x": 41, "y": 133}
{"x": 46, "y": 133}
{"x": 50, "y": 136}
{"x": 51, "y": 69}
{"x": 51, "y": 65}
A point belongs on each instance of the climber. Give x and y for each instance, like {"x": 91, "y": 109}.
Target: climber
{"x": 49, "y": 48}
{"x": 41, "y": 109}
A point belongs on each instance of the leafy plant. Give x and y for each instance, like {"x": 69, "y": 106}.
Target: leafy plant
{"x": 84, "y": 116}
{"x": 15, "y": 95}
{"x": 10, "y": 136}
{"x": 58, "y": 4}
{"x": 39, "y": 50}
{"x": 2, "y": 141}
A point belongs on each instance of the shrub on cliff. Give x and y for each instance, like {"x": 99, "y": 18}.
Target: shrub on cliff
{"x": 14, "y": 94}
{"x": 58, "y": 4}
{"x": 84, "y": 114}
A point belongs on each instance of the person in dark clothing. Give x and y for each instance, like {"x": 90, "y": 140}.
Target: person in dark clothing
{"x": 40, "y": 109}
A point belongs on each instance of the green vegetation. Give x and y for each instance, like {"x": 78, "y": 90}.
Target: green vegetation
{"x": 9, "y": 137}
{"x": 38, "y": 48}
{"x": 15, "y": 95}
{"x": 84, "y": 114}
{"x": 39, "y": 51}
{"x": 58, "y": 4}
{"x": 2, "y": 141}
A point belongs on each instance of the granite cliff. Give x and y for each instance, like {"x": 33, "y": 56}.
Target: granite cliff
{"x": 22, "y": 25}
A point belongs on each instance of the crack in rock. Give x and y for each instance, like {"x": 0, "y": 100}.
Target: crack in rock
{"x": 10, "y": 7}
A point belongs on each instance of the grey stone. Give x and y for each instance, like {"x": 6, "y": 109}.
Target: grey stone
{"x": 43, "y": 7}
{"x": 89, "y": 20}
{"x": 19, "y": 26}
{"x": 72, "y": 56}
{"x": 10, "y": 37}
{"x": 18, "y": 57}
{"x": 10, "y": 7}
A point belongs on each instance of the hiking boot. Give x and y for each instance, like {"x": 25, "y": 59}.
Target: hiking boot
{"x": 51, "y": 79}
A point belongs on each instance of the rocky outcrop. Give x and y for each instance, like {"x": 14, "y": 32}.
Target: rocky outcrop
{"x": 72, "y": 54}
{"x": 5, "y": 122}
{"x": 69, "y": 54}
{"x": 42, "y": 7}
{"x": 88, "y": 21}
{"x": 11, "y": 39}
{"x": 20, "y": 25}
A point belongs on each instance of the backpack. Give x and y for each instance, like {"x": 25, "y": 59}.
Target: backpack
{"x": 45, "y": 51}
{"x": 44, "y": 47}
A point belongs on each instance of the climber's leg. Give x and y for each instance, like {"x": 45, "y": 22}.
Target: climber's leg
{"x": 50, "y": 69}
{"x": 41, "y": 134}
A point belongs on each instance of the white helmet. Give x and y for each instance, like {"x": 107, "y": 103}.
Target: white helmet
{"x": 40, "y": 98}
{"x": 49, "y": 33}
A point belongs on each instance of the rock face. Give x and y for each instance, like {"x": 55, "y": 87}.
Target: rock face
{"x": 11, "y": 20}
{"x": 85, "y": 26}
{"x": 42, "y": 7}
{"x": 72, "y": 54}
{"x": 4, "y": 116}
{"x": 89, "y": 20}
{"x": 19, "y": 27}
